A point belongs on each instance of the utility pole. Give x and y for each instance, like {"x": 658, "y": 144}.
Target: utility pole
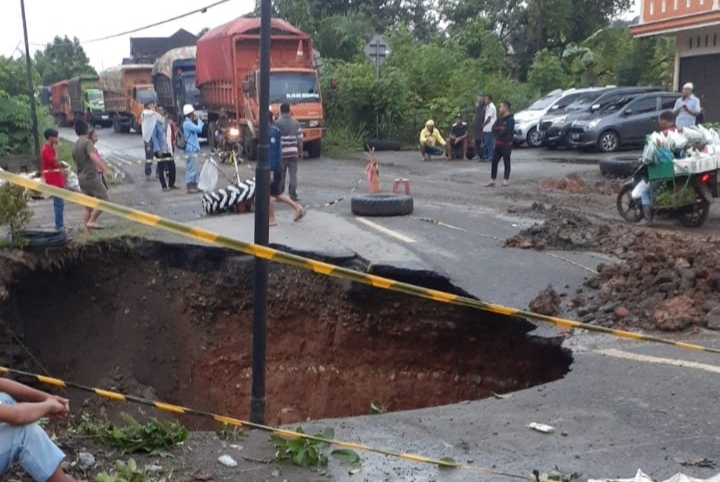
{"x": 262, "y": 226}
{"x": 30, "y": 86}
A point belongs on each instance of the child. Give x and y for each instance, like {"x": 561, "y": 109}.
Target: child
{"x": 52, "y": 174}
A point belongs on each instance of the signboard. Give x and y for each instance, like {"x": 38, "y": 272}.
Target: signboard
{"x": 377, "y": 50}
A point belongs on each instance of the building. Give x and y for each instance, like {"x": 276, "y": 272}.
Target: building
{"x": 695, "y": 24}
{"x": 145, "y": 50}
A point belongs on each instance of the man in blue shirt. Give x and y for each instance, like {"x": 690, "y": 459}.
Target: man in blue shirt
{"x": 191, "y": 128}
{"x": 687, "y": 108}
{"x": 276, "y": 184}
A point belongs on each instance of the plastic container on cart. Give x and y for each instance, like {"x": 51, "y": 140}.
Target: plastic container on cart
{"x": 694, "y": 165}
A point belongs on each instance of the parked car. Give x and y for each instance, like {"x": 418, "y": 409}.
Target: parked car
{"x": 553, "y": 125}
{"x": 526, "y": 120}
{"x": 624, "y": 122}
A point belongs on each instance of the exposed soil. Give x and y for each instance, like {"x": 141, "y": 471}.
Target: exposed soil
{"x": 576, "y": 184}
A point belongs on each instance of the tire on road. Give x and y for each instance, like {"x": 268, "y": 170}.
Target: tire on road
{"x": 618, "y": 166}
{"x": 381, "y": 204}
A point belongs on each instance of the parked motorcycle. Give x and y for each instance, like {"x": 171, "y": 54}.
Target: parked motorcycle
{"x": 230, "y": 142}
{"x": 686, "y": 197}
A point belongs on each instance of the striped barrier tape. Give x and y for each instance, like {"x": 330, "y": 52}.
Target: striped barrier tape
{"x": 179, "y": 410}
{"x": 327, "y": 269}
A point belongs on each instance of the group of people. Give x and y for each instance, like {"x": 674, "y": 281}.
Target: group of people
{"x": 493, "y": 136}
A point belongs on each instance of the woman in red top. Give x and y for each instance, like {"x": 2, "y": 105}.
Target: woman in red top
{"x": 53, "y": 174}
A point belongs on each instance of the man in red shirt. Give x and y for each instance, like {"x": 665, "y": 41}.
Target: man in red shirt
{"x": 52, "y": 173}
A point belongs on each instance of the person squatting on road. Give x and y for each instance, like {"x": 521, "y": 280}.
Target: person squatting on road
{"x": 276, "y": 188}
{"x": 503, "y": 131}
{"x": 22, "y": 440}
{"x": 191, "y": 128}
{"x": 429, "y": 137}
{"x": 88, "y": 164}
{"x": 147, "y": 124}
{"x": 162, "y": 141}
{"x": 292, "y": 149}
{"x": 687, "y": 108}
{"x": 52, "y": 173}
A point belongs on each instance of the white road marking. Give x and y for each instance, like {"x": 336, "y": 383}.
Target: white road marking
{"x": 385, "y": 230}
{"x": 663, "y": 361}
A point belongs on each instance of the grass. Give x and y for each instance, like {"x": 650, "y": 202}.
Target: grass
{"x": 338, "y": 140}
{"x": 64, "y": 152}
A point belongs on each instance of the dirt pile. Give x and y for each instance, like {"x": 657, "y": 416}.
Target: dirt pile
{"x": 546, "y": 303}
{"x": 575, "y": 184}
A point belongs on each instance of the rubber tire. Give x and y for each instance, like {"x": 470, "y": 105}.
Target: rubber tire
{"x": 624, "y": 192}
{"x": 381, "y": 145}
{"x": 381, "y": 204}
{"x": 608, "y": 133}
{"x": 314, "y": 149}
{"x": 618, "y": 166}
{"x": 538, "y": 142}
{"x": 688, "y": 223}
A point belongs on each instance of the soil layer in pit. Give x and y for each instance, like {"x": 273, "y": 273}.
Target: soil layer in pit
{"x": 173, "y": 322}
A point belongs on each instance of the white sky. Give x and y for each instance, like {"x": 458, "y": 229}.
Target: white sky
{"x": 87, "y": 19}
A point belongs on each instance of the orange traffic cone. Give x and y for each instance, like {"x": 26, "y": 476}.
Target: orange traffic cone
{"x": 373, "y": 173}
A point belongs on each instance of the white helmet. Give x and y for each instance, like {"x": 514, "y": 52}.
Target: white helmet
{"x": 188, "y": 109}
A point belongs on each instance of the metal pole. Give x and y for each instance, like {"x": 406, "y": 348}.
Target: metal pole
{"x": 377, "y": 78}
{"x": 262, "y": 228}
{"x": 31, "y": 88}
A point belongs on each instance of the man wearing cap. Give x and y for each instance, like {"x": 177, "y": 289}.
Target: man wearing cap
{"x": 478, "y": 122}
{"x": 191, "y": 128}
{"x": 687, "y": 107}
{"x": 431, "y": 142}
{"x": 457, "y": 140}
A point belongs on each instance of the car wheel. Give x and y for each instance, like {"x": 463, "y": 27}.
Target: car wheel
{"x": 381, "y": 204}
{"x": 534, "y": 138}
{"x": 609, "y": 141}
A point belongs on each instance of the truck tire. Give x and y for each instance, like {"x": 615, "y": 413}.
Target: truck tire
{"x": 618, "y": 166}
{"x": 314, "y": 148}
{"x": 381, "y": 204}
{"x": 211, "y": 135}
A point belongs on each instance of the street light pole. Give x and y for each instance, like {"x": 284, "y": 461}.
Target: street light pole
{"x": 30, "y": 86}
{"x": 262, "y": 228}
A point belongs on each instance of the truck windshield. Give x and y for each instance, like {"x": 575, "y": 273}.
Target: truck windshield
{"x": 293, "y": 88}
{"x": 146, "y": 94}
{"x": 94, "y": 96}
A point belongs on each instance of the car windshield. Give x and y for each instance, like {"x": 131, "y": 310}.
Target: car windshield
{"x": 94, "y": 96}
{"x": 616, "y": 105}
{"x": 146, "y": 95}
{"x": 293, "y": 88}
{"x": 543, "y": 103}
{"x": 583, "y": 102}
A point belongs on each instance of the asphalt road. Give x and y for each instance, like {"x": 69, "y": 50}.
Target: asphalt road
{"x": 619, "y": 410}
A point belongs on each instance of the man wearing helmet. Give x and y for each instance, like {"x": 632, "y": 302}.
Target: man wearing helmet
{"x": 191, "y": 128}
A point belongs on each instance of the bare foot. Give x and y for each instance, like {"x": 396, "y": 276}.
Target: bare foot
{"x": 273, "y": 223}
{"x": 299, "y": 215}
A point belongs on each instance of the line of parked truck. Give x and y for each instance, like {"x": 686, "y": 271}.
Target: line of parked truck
{"x": 606, "y": 118}
{"x": 219, "y": 76}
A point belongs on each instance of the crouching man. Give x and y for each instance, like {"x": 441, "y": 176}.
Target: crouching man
{"x": 22, "y": 440}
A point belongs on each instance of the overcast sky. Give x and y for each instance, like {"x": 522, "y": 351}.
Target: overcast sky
{"x": 88, "y": 20}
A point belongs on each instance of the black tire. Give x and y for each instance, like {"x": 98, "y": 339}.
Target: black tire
{"x": 608, "y": 141}
{"x": 534, "y": 138}
{"x": 630, "y": 209}
{"x": 697, "y": 216}
{"x": 381, "y": 145}
{"x": 381, "y": 204}
{"x": 618, "y": 166}
{"x": 314, "y": 148}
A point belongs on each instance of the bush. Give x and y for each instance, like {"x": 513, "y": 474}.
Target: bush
{"x": 15, "y": 213}
{"x": 16, "y": 135}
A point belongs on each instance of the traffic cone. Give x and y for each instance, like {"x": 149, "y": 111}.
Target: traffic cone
{"x": 373, "y": 173}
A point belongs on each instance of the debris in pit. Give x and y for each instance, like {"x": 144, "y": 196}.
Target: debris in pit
{"x": 546, "y": 303}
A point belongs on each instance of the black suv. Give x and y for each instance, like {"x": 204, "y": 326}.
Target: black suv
{"x": 557, "y": 126}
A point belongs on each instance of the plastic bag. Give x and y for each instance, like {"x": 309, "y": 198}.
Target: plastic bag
{"x": 72, "y": 182}
{"x": 639, "y": 189}
{"x": 664, "y": 155}
{"x": 208, "y": 176}
{"x": 676, "y": 140}
{"x": 694, "y": 136}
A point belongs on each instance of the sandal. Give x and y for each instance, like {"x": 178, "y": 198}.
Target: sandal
{"x": 94, "y": 226}
{"x": 299, "y": 216}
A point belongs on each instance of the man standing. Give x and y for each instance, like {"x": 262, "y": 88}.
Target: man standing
{"x": 22, "y": 440}
{"x": 490, "y": 119}
{"x": 162, "y": 139}
{"x": 292, "y": 149}
{"x": 191, "y": 128}
{"x": 478, "y": 124}
{"x": 276, "y": 188}
{"x": 52, "y": 173}
{"x": 148, "y": 119}
{"x": 504, "y": 130}
{"x": 457, "y": 140}
{"x": 687, "y": 108}
{"x": 88, "y": 164}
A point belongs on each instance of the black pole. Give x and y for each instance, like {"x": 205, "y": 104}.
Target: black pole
{"x": 262, "y": 228}
{"x": 31, "y": 88}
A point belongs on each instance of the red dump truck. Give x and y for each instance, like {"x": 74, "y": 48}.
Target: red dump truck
{"x": 126, "y": 88}
{"x": 227, "y": 74}
{"x": 60, "y": 103}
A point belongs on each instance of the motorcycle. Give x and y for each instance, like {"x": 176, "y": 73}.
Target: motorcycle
{"x": 229, "y": 143}
{"x": 686, "y": 197}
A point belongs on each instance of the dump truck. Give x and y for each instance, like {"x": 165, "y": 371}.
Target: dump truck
{"x": 60, "y": 104}
{"x": 126, "y": 89}
{"x": 174, "y": 79}
{"x": 227, "y": 71}
{"x": 87, "y": 100}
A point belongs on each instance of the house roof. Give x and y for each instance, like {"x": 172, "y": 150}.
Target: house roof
{"x": 154, "y": 47}
{"x": 672, "y": 25}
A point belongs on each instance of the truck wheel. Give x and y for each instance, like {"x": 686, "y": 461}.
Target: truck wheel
{"x": 381, "y": 204}
{"x": 314, "y": 149}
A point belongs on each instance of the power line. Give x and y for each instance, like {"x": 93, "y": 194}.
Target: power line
{"x": 156, "y": 24}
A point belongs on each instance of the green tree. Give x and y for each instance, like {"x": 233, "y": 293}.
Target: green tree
{"x": 546, "y": 73}
{"x": 62, "y": 59}
{"x": 13, "y": 76}
{"x": 343, "y": 37}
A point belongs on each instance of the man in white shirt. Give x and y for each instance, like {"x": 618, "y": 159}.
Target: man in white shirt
{"x": 687, "y": 108}
{"x": 490, "y": 119}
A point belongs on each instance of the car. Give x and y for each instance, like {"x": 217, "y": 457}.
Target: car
{"x": 526, "y": 120}
{"x": 625, "y": 122}
{"x": 551, "y": 125}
